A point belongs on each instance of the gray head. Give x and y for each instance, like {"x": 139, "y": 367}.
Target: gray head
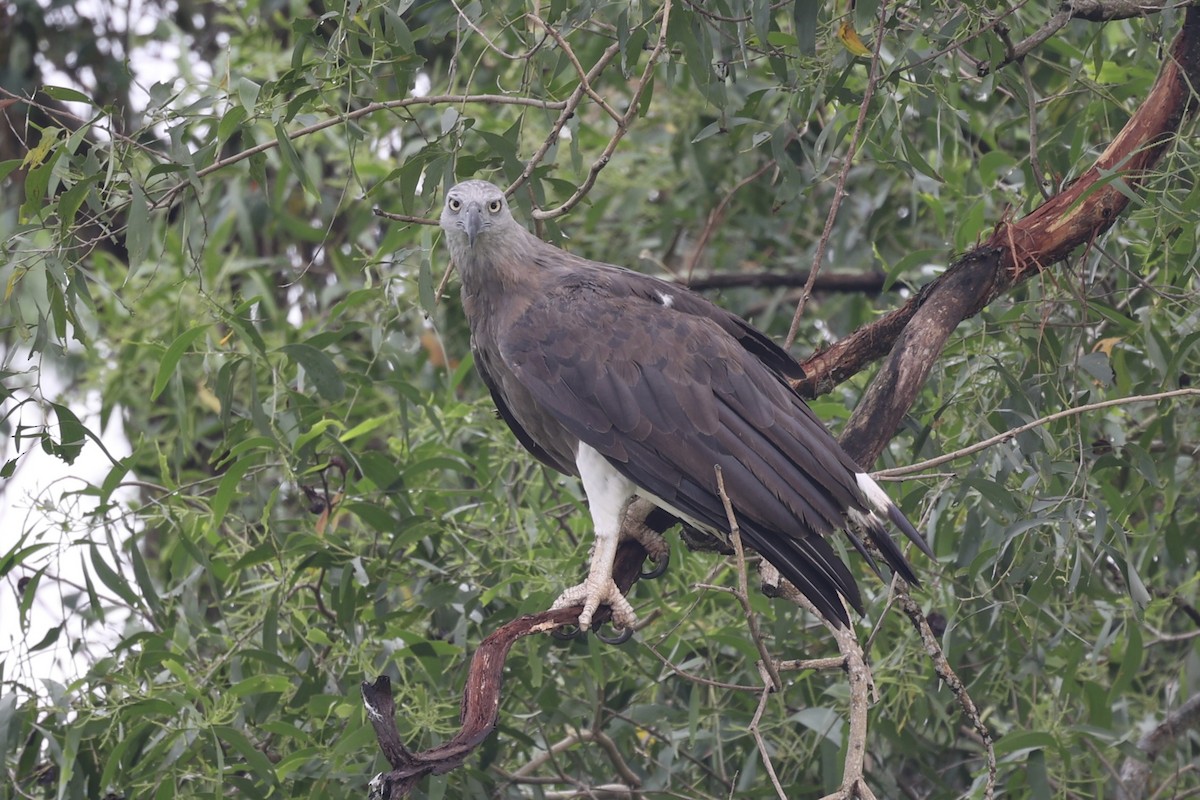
{"x": 474, "y": 210}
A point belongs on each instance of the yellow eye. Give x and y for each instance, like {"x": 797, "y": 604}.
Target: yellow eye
{"x": 494, "y": 206}
{"x": 454, "y": 204}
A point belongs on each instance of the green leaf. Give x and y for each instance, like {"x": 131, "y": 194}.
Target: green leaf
{"x": 48, "y": 640}
{"x": 230, "y": 122}
{"x": 425, "y": 288}
{"x": 292, "y": 158}
{"x": 226, "y": 488}
{"x": 1014, "y": 746}
{"x": 7, "y": 167}
{"x": 804, "y": 17}
{"x": 71, "y": 434}
{"x": 67, "y": 94}
{"x": 166, "y": 366}
{"x": 366, "y": 426}
{"x": 137, "y": 239}
{"x": 319, "y": 368}
{"x": 70, "y": 201}
{"x": 113, "y": 580}
{"x": 254, "y": 758}
{"x": 248, "y": 93}
{"x": 266, "y": 683}
{"x": 145, "y": 583}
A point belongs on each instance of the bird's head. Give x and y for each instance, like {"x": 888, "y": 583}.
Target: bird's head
{"x": 473, "y": 209}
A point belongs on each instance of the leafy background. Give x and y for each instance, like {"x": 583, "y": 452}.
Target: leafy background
{"x": 255, "y": 329}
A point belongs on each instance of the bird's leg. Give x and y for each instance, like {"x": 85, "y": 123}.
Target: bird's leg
{"x": 608, "y": 494}
{"x": 599, "y": 588}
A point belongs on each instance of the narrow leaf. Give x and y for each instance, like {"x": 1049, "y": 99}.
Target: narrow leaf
{"x": 113, "y": 579}
{"x": 320, "y": 369}
{"x": 166, "y": 367}
{"x": 225, "y": 490}
{"x": 293, "y": 160}
{"x": 137, "y": 240}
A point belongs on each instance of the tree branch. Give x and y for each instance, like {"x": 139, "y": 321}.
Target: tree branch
{"x": 839, "y": 192}
{"x": 481, "y": 695}
{"x": 910, "y": 469}
{"x": 1089, "y": 10}
{"x": 622, "y": 124}
{"x": 917, "y": 332}
{"x": 869, "y": 283}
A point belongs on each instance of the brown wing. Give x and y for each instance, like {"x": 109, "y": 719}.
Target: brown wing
{"x": 526, "y": 438}
{"x": 667, "y": 395}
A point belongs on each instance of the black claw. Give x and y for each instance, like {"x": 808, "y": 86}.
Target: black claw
{"x": 568, "y": 633}
{"x": 620, "y": 638}
{"x": 660, "y": 566}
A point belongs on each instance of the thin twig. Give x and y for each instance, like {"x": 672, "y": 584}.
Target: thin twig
{"x": 768, "y": 679}
{"x": 694, "y": 678}
{"x": 1035, "y": 163}
{"x": 411, "y": 218}
{"x": 718, "y": 214}
{"x": 583, "y": 75}
{"x": 1017, "y": 52}
{"x": 743, "y": 591}
{"x": 622, "y": 125}
{"x": 568, "y": 110}
{"x": 910, "y": 469}
{"x": 839, "y": 191}
{"x": 942, "y": 667}
{"x": 370, "y": 108}
{"x": 490, "y": 43}
{"x": 1090, "y": 10}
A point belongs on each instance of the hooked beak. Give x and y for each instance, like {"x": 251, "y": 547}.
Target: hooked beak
{"x": 474, "y": 223}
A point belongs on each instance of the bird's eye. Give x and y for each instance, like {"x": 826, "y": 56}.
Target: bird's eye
{"x": 494, "y": 206}
{"x": 454, "y": 204}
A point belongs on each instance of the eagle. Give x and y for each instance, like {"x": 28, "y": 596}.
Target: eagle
{"x": 643, "y": 389}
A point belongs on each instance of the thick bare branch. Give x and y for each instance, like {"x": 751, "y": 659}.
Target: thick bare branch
{"x": 1015, "y": 252}
{"x": 481, "y": 695}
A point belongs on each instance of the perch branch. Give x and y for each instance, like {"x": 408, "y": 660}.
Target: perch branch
{"x": 481, "y": 695}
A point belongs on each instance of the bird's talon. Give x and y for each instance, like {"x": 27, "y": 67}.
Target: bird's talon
{"x": 622, "y": 636}
{"x": 568, "y": 633}
{"x": 659, "y": 568}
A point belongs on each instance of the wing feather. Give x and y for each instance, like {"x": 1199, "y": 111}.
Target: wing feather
{"x": 666, "y": 393}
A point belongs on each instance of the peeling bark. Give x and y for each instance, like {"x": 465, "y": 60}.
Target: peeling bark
{"x": 916, "y": 333}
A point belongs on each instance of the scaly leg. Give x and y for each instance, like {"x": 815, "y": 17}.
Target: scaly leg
{"x": 609, "y": 494}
